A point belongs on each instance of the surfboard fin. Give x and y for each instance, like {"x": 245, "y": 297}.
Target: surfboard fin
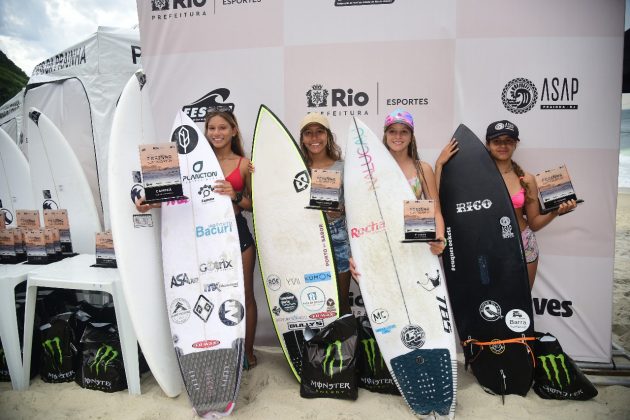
{"x": 503, "y": 385}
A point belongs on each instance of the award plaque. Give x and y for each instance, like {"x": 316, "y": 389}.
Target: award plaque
{"x": 325, "y": 189}
{"x": 160, "y": 172}
{"x": 58, "y": 219}
{"x": 105, "y": 255}
{"x": 27, "y": 219}
{"x": 7, "y": 247}
{"x": 53, "y": 248}
{"x": 20, "y": 244}
{"x": 554, "y": 188}
{"x": 419, "y": 216}
{"x": 35, "y": 240}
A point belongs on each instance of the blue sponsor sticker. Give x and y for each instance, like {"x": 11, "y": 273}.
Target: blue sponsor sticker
{"x": 317, "y": 277}
{"x": 385, "y": 330}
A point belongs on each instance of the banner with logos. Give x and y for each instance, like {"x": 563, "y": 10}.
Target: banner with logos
{"x": 553, "y": 69}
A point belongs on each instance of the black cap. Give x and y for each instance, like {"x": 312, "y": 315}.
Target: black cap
{"x": 499, "y": 128}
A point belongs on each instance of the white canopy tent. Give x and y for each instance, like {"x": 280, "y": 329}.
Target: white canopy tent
{"x": 11, "y": 116}
{"x": 78, "y": 89}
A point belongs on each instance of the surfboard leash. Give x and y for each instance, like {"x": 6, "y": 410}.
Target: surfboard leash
{"x": 482, "y": 344}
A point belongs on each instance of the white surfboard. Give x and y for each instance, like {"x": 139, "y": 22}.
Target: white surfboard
{"x": 58, "y": 181}
{"x": 203, "y": 277}
{"x": 15, "y": 180}
{"x": 294, "y": 247}
{"x": 402, "y": 284}
{"x": 137, "y": 236}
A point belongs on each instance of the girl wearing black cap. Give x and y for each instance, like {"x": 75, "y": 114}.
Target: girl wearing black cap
{"x": 502, "y": 138}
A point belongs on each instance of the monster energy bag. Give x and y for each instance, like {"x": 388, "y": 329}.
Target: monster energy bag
{"x": 556, "y": 376}
{"x": 58, "y": 349}
{"x": 4, "y": 368}
{"x": 373, "y": 373}
{"x": 329, "y": 361}
{"x": 102, "y": 365}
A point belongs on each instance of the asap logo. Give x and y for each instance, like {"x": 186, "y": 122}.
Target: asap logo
{"x": 476, "y": 205}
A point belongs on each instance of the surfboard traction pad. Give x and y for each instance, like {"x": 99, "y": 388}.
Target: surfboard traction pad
{"x": 212, "y": 364}
{"x": 425, "y": 379}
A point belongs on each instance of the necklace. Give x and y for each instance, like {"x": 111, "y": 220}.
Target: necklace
{"x": 508, "y": 171}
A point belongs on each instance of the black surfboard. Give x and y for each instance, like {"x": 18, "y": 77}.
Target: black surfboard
{"x": 485, "y": 269}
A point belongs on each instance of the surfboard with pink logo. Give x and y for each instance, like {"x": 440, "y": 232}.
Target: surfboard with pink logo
{"x": 402, "y": 284}
{"x": 203, "y": 277}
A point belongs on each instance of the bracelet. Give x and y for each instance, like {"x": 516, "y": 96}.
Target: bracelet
{"x": 238, "y": 198}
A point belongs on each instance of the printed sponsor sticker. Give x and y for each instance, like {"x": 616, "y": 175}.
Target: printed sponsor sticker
{"x": 517, "y": 320}
{"x": 273, "y": 282}
{"x": 203, "y": 308}
{"x": 288, "y": 302}
{"x": 323, "y": 315}
{"x": 142, "y": 220}
{"x": 231, "y": 312}
{"x": 413, "y": 336}
{"x": 179, "y": 311}
{"x": 490, "y": 310}
{"x": 204, "y": 344}
{"x": 312, "y": 298}
{"x": 378, "y": 316}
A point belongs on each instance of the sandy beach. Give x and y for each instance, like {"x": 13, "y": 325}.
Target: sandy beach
{"x": 270, "y": 391}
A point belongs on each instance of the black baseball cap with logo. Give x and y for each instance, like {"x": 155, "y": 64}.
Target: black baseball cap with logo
{"x": 499, "y": 128}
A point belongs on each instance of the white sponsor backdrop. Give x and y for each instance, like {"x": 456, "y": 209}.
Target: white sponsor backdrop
{"x": 447, "y": 63}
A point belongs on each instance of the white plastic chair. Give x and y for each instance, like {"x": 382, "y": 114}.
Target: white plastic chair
{"x": 11, "y": 276}
{"x": 77, "y": 273}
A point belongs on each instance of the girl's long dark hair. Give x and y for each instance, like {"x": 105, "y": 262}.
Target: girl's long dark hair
{"x": 521, "y": 177}
{"x": 236, "y": 145}
{"x": 333, "y": 150}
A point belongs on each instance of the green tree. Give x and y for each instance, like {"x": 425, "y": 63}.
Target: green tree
{"x": 12, "y": 78}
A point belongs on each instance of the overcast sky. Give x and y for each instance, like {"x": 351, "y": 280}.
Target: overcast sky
{"x": 34, "y": 30}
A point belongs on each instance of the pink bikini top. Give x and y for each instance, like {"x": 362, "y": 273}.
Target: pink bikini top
{"x": 235, "y": 177}
{"x": 518, "y": 199}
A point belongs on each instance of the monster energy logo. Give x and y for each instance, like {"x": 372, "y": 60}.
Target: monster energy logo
{"x": 49, "y": 348}
{"x": 370, "y": 348}
{"x": 553, "y": 360}
{"x": 105, "y": 355}
{"x": 329, "y": 359}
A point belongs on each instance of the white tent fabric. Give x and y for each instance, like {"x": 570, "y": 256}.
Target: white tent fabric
{"x": 11, "y": 116}
{"x": 78, "y": 89}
